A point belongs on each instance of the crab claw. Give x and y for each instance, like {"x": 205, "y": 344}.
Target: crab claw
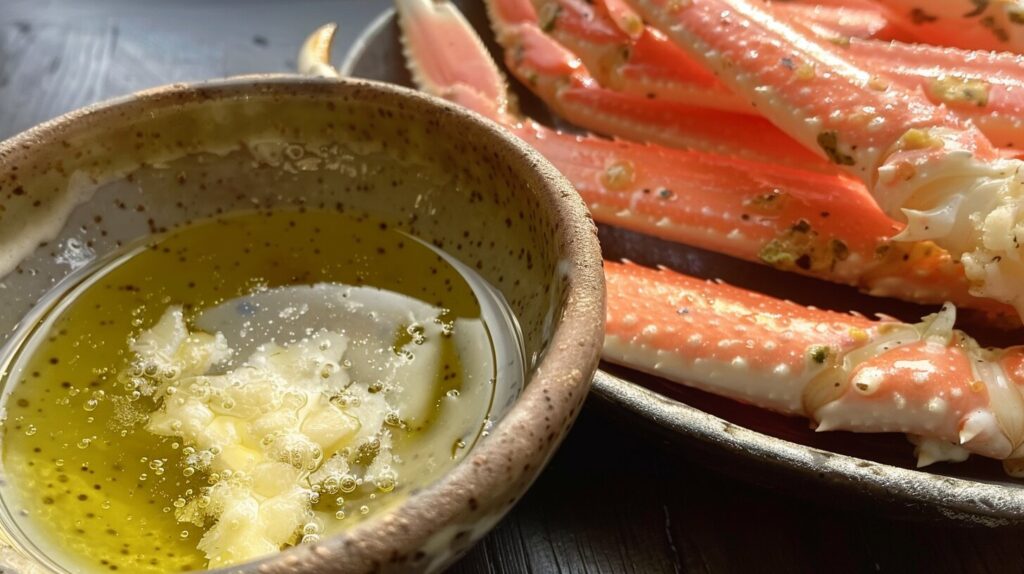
{"x": 315, "y": 54}
{"x": 434, "y": 34}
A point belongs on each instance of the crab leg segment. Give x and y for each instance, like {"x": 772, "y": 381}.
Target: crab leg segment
{"x": 844, "y": 21}
{"x": 996, "y": 25}
{"x": 838, "y": 21}
{"x": 921, "y": 163}
{"x": 987, "y": 87}
{"x": 480, "y": 73}
{"x": 644, "y": 64}
{"x": 814, "y": 224}
{"x": 806, "y": 87}
{"x": 558, "y": 77}
{"x": 624, "y": 55}
{"x": 719, "y": 338}
{"x": 984, "y": 86}
{"x": 842, "y": 371}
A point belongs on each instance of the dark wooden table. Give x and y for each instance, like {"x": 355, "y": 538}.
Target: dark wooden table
{"x": 613, "y": 499}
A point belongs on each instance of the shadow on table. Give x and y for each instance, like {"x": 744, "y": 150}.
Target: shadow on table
{"x": 615, "y": 500}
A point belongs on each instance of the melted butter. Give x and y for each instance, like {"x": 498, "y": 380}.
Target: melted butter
{"x": 103, "y": 471}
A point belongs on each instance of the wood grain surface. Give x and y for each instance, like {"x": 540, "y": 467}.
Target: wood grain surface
{"x": 613, "y": 499}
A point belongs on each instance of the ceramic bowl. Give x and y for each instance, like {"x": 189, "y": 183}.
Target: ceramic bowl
{"x": 105, "y": 175}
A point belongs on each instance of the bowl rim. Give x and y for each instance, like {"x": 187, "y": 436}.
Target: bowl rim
{"x": 558, "y": 383}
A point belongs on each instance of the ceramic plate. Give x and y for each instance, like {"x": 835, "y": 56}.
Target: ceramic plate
{"x": 778, "y": 451}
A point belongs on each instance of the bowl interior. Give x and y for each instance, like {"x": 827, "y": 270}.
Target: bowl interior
{"x": 80, "y": 187}
{"x": 127, "y": 175}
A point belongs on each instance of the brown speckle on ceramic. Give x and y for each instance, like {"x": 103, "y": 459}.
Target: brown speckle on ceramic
{"x": 143, "y": 164}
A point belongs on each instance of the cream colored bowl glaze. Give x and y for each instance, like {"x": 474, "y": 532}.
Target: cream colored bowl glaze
{"x": 119, "y": 170}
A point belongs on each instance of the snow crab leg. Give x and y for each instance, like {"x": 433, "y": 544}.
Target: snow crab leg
{"x": 559, "y": 78}
{"x": 843, "y": 372}
{"x": 770, "y": 214}
{"x": 643, "y": 64}
{"x": 921, "y": 162}
{"x": 976, "y": 24}
{"x": 846, "y": 19}
{"x": 986, "y": 87}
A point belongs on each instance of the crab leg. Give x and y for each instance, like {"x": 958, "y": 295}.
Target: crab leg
{"x": 844, "y": 21}
{"x": 975, "y": 24}
{"x": 645, "y": 65}
{"x": 558, "y": 77}
{"x": 847, "y": 21}
{"x": 843, "y": 372}
{"x": 986, "y": 87}
{"x": 815, "y": 224}
{"x": 921, "y": 162}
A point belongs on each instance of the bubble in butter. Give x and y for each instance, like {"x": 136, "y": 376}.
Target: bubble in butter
{"x": 244, "y": 384}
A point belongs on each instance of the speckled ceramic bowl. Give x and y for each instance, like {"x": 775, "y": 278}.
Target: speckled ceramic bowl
{"x": 110, "y": 173}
